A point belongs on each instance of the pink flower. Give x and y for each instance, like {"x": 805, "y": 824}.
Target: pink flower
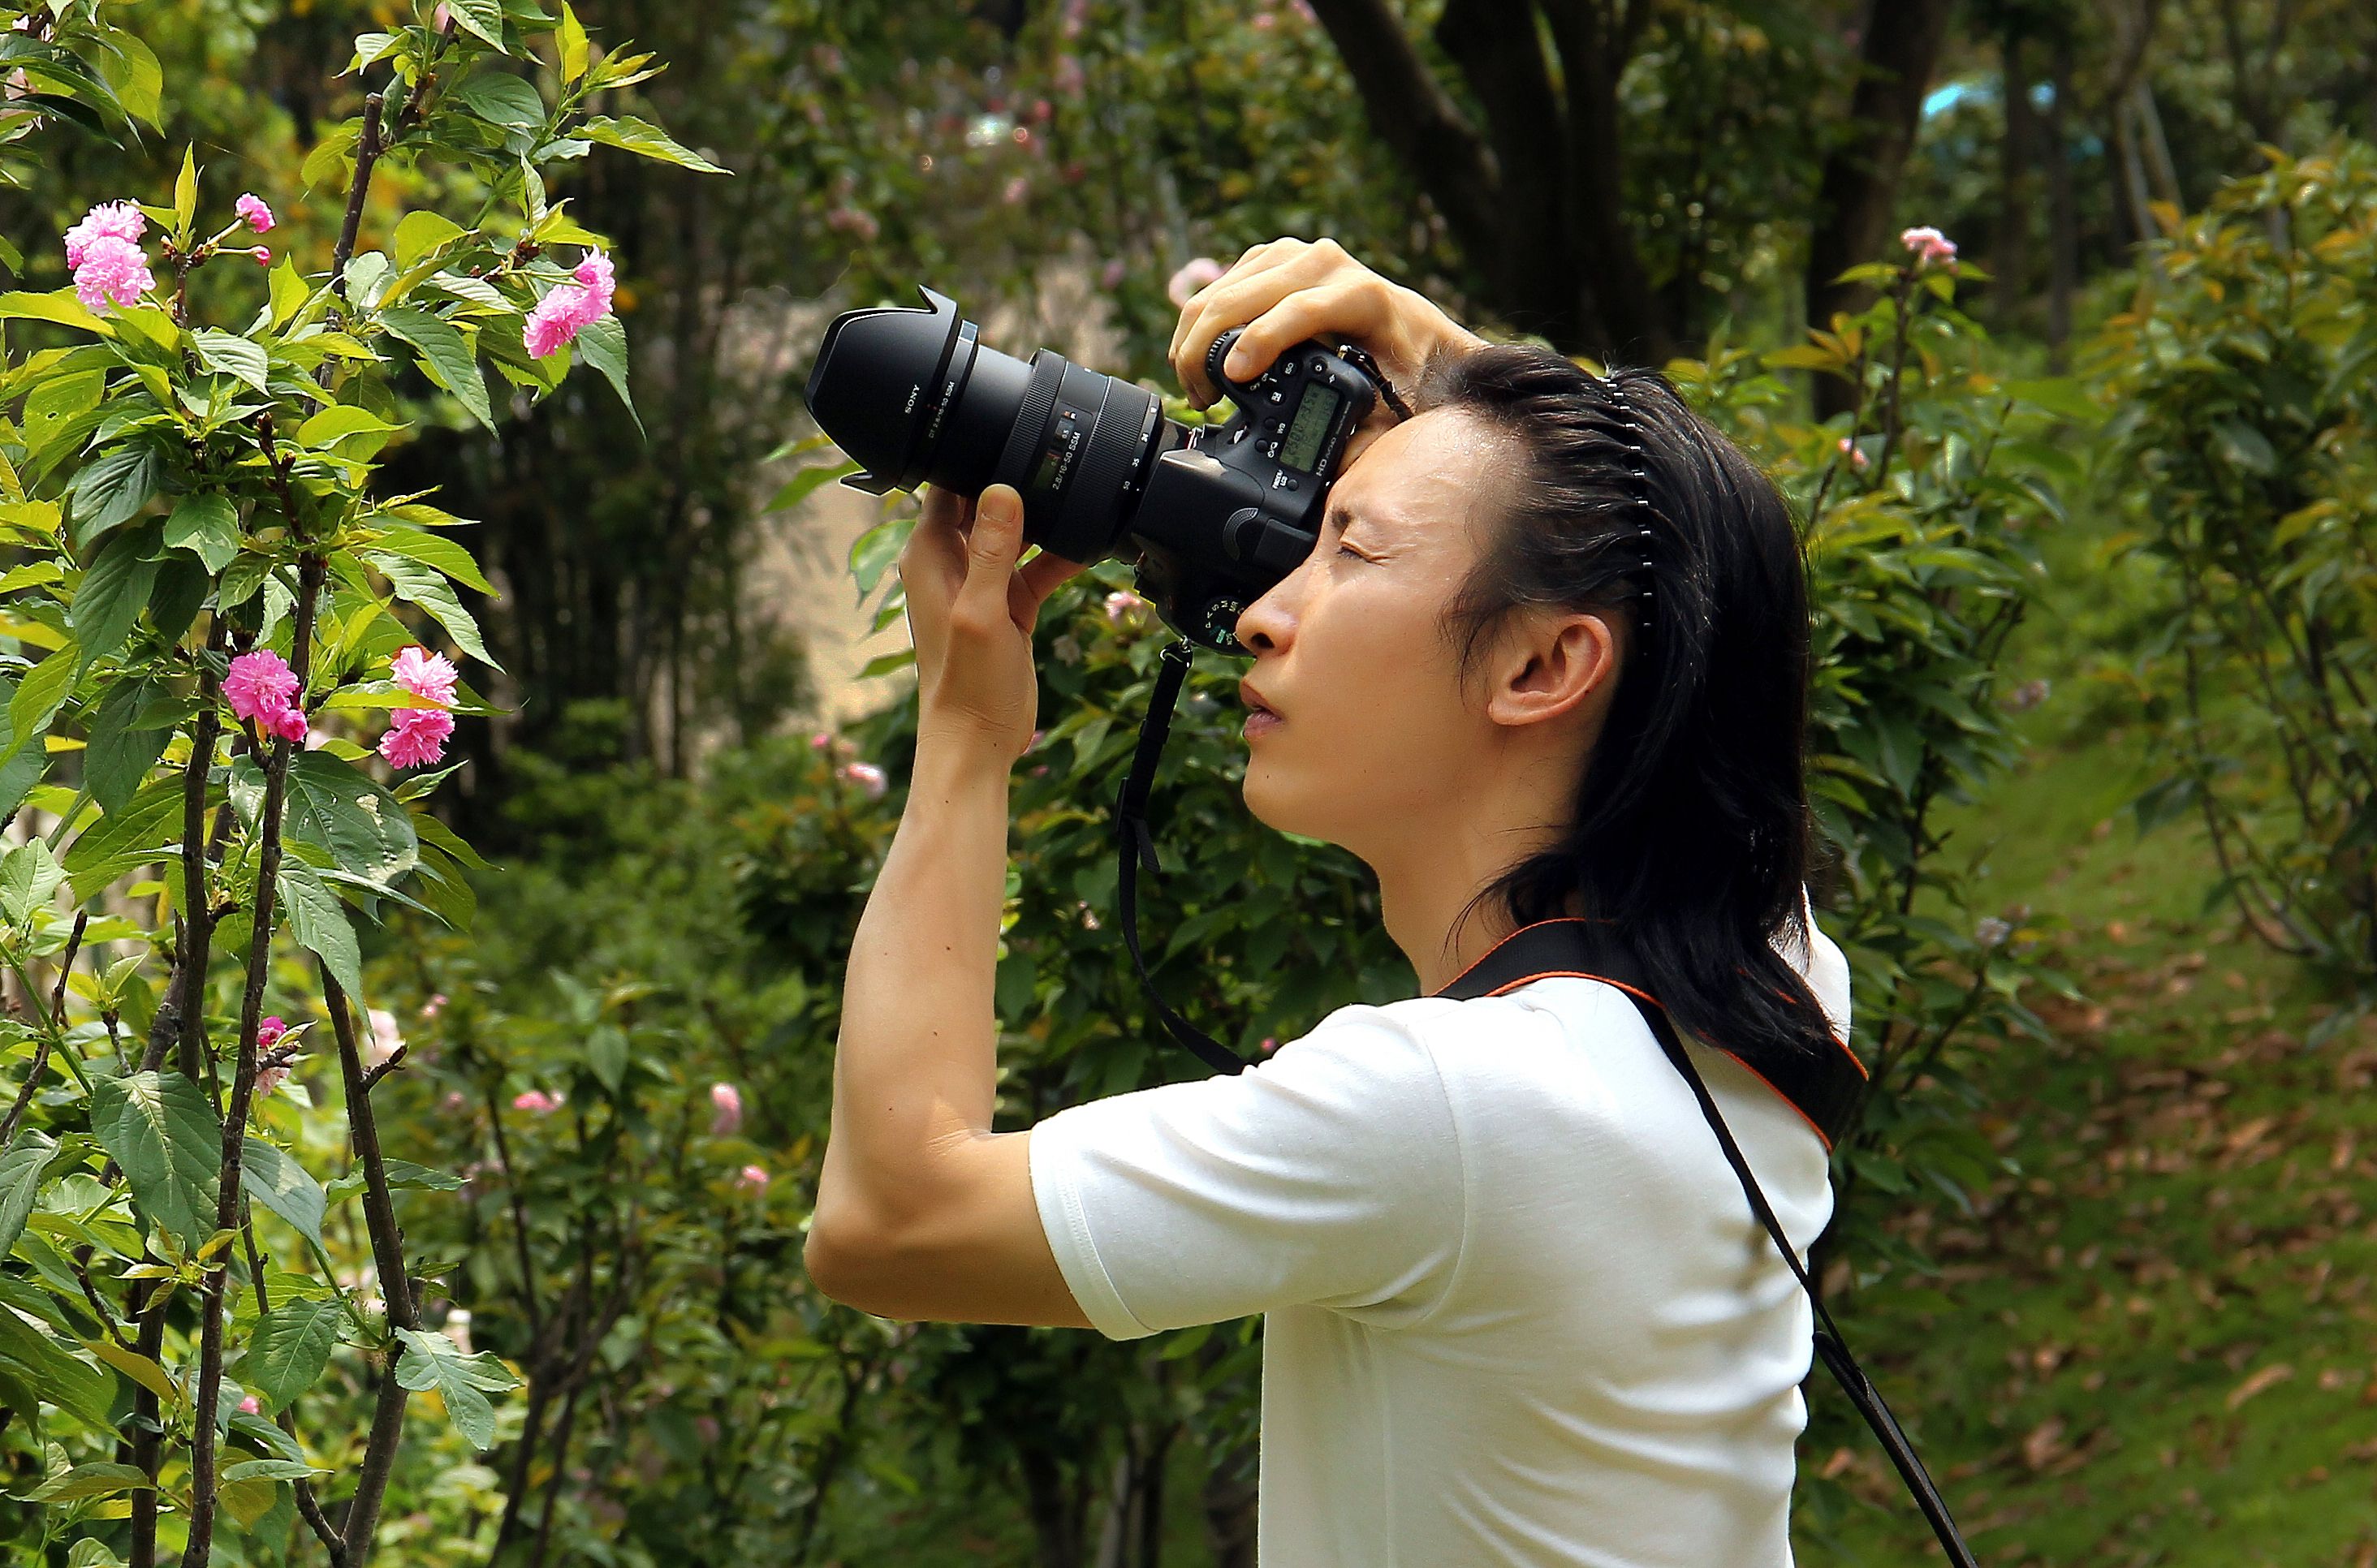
{"x": 567, "y": 308}
{"x": 729, "y": 1114}
{"x": 269, "y": 1033}
{"x": 436, "y": 1005}
{"x": 820, "y": 740}
{"x": 268, "y": 1080}
{"x": 424, "y": 675}
{"x": 258, "y": 685}
{"x": 248, "y": 1407}
{"x": 535, "y": 1101}
{"x": 116, "y": 219}
{"x": 1855, "y": 454}
{"x": 1931, "y": 246}
{"x": 289, "y": 724}
{"x": 853, "y": 220}
{"x": 752, "y": 1178}
{"x": 386, "y": 1040}
{"x": 416, "y": 736}
{"x": 1017, "y": 189}
{"x": 251, "y": 207}
{"x": 1110, "y": 275}
{"x": 111, "y": 270}
{"x": 1193, "y": 276}
{"x": 1269, "y": 1045}
{"x": 1123, "y": 605}
{"x": 263, "y": 255}
{"x": 867, "y": 776}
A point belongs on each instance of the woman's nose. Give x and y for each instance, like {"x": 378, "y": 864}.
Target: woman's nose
{"x": 1265, "y": 625}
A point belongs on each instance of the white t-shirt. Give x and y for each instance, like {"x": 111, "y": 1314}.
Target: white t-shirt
{"x": 1517, "y": 1310}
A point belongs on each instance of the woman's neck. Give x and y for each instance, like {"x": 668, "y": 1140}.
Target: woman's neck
{"x": 1423, "y": 891}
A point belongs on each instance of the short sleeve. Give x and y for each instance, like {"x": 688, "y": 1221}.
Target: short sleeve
{"x": 1329, "y": 1174}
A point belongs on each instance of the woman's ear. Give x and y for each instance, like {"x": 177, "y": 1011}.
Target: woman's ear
{"x": 1552, "y": 664}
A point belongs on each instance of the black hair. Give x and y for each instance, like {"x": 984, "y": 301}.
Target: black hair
{"x": 1691, "y": 826}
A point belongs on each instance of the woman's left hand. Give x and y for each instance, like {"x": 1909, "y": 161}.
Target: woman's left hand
{"x": 970, "y": 611}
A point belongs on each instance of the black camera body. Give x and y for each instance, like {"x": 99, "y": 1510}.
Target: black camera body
{"x": 1214, "y": 514}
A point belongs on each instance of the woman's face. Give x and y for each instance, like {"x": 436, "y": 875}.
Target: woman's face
{"x": 1374, "y": 734}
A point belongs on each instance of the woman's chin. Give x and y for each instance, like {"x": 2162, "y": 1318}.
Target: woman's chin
{"x": 1271, "y": 801}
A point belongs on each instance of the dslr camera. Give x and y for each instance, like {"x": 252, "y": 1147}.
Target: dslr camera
{"x": 1212, "y": 515}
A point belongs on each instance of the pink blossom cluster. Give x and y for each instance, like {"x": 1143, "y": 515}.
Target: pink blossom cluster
{"x": 267, "y": 1034}
{"x": 536, "y": 1101}
{"x": 417, "y": 735}
{"x": 251, "y": 207}
{"x": 752, "y": 1178}
{"x": 1124, "y": 608}
{"x": 867, "y": 776}
{"x": 727, "y": 1114}
{"x": 104, "y": 251}
{"x": 1931, "y": 247}
{"x": 386, "y": 1040}
{"x": 568, "y": 308}
{"x": 853, "y": 220}
{"x": 1193, "y": 275}
{"x": 261, "y": 686}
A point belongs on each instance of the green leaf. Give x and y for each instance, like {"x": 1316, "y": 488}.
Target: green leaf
{"x": 570, "y": 38}
{"x": 290, "y": 292}
{"x": 435, "y": 550}
{"x": 2244, "y": 447}
{"x": 161, "y": 1130}
{"x": 291, "y": 1346}
{"x": 429, "y": 590}
{"x": 31, "y": 1355}
{"x": 341, "y": 422}
{"x": 603, "y": 343}
{"x": 22, "y": 1167}
{"x": 109, "y": 489}
{"x": 40, "y": 697}
{"x": 186, "y": 190}
{"x": 422, "y": 231}
{"x": 319, "y": 922}
{"x": 502, "y": 99}
{"x": 120, "y": 841}
{"x": 232, "y": 355}
{"x": 444, "y": 352}
{"x": 806, "y": 483}
{"x": 484, "y": 18}
{"x": 119, "y": 756}
{"x": 207, "y": 524}
{"x": 113, "y": 590}
{"x": 434, "y": 1362}
{"x": 643, "y": 138}
{"x": 606, "y": 1054}
{"x": 275, "y": 1180}
{"x": 366, "y": 831}
{"x": 62, "y": 306}
{"x": 98, "y": 1478}
{"x": 328, "y": 163}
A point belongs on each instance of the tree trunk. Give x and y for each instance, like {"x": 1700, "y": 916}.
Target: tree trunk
{"x": 1055, "y": 1518}
{"x": 1230, "y": 1495}
{"x": 2010, "y": 260}
{"x": 1859, "y": 183}
{"x": 2062, "y": 223}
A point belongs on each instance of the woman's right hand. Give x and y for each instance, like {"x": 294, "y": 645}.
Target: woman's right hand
{"x": 1291, "y": 289}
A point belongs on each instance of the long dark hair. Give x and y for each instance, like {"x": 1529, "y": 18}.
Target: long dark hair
{"x": 1691, "y": 825}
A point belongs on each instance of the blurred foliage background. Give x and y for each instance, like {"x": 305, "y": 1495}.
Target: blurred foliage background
{"x": 2091, "y": 531}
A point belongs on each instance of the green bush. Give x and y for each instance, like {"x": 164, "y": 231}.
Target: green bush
{"x": 2244, "y": 377}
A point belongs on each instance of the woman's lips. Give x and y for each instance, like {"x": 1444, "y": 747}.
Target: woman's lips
{"x": 1261, "y": 721}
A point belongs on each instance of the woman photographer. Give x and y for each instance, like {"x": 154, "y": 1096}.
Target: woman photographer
{"x": 1550, "y": 658}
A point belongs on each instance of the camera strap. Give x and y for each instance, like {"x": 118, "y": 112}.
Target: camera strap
{"x": 1583, "y": 949}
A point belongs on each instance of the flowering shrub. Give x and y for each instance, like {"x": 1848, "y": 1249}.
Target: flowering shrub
{"x": 2243, "y": 442}
{"x": 205, "y": 599}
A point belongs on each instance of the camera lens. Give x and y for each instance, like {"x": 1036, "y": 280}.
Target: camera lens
{"x": 913, "y": 395}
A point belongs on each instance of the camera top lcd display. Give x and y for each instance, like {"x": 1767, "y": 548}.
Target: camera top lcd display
{"x": 1311, "y": 428}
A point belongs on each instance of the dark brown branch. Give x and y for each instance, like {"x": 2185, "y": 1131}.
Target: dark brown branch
{"x": 388, "y": 1258}
{"x": 395, "y": 1060}
{"x": 310, "y": 571}
{"x": 199, "y": 929}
